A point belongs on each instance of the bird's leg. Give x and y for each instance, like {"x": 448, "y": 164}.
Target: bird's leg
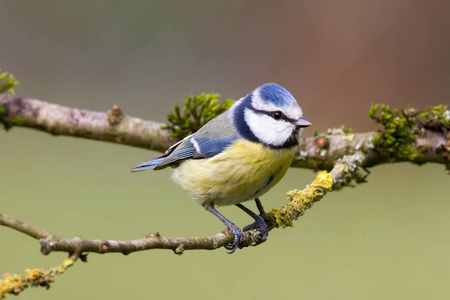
{"x": 260, "y": 206}
{"x": 259, "y": 222}
{"x": 236, "y": 230}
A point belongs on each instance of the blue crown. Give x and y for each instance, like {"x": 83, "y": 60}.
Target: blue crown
{"x": 275, "y": 93}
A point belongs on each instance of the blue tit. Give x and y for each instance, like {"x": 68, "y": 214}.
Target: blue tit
{"x": 239, "y": 155}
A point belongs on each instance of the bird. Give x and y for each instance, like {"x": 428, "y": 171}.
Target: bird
{"x": 238, "y": 156}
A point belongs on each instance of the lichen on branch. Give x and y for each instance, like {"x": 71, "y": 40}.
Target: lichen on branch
{"x": 14, "y": 283}
{"x": 301, "y": 200}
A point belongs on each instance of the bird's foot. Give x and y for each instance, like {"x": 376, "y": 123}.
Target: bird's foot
{"x": 237, "y": 238}
{"x": 237, "y": 233}
{"x": 262, "y": 226}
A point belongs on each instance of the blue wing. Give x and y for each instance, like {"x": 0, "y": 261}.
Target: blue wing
{"x": 150, "y": 164}
{"x": 190, "y": 147}
{"x": 209, "y": 141}
{"x": 209, "y": 147}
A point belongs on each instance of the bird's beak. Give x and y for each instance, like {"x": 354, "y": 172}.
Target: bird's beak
{"x": 302, "y": 122}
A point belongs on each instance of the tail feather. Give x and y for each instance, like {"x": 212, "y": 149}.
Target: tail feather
{"x": 148, "y": 165}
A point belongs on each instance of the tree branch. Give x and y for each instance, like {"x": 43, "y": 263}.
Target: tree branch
{"x": 111, "y": 126}
{"x": 317, "y": 153}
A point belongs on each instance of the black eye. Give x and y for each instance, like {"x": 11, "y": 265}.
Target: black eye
{"x": 277, "y": 115}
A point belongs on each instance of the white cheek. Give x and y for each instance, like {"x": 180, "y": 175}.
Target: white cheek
{"x": 268, "y": 130}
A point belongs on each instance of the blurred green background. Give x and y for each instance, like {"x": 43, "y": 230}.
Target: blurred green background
{"x": 388, "y": 239}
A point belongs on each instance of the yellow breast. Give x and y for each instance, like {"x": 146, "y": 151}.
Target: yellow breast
{"x": 244, "y": 171}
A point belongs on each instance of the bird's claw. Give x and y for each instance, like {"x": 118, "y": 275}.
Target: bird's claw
{"x": 262, "y": 226}
{"x": 236, "y": 240}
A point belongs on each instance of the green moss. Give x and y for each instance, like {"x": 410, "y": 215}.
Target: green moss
{"x": 7, "y": 84}
{"x": 6, "y": 123}
{"x": 316, "y": 132}
{"x": 196, "y": 112}
{"x": 435, "y": 117}
{"x": 346, "y": 130}
{"x": 401, "y": 126}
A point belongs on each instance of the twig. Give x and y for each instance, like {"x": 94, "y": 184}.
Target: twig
{"x": 23, "y": 227}
{"x": 15, "y": 284}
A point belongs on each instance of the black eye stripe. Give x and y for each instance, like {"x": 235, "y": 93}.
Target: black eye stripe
{"x": 270, "y": 114}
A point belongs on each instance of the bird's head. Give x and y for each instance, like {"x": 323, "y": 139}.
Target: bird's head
{"x": 269, "y": 115}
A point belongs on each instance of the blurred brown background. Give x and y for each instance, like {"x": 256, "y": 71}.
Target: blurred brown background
{"x": 386, "y": 239}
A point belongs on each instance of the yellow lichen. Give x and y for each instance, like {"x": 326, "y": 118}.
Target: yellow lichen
{"x": 342, "y": 167}
{"x": 301, "y": 200}
{"x": 14, "y": 284}
{"x": 349, "y": 137}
